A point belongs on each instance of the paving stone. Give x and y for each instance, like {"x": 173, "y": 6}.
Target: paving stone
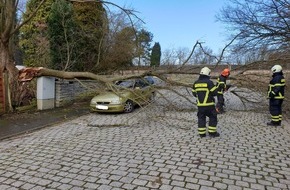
{"x": 27, "y": 186}
{"x": 17, "y": 183}
{"x": 257, "y": 186}
{"x": 128, "y": 186}
{"x": 54, "y": 185}
{"x": 165, "y": 187}
{"x": 220, "y": 185}
{"x": 281, "y": 185}
{"x": 242, "y": 183}
{"x": 139, "y": 182}
{"x": 234, "y": 187}
{"x": 177, "y": 183}
{"x": 205, "y": 183}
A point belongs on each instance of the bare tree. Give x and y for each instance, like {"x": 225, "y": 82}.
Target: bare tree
{"x": 259, "y": 23}
{"x": 203, "y": 55}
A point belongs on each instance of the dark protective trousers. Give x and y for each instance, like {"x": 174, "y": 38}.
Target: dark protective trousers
{"x": 202, "y": 114}
{"x": 275, "y": 108}
{"x": 220, "y": 102}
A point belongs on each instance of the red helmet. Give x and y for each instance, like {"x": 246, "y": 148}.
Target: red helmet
{"x": 225, "y": 72}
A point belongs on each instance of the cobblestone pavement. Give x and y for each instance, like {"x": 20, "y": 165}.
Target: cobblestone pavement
{"x": 157, "y": 147}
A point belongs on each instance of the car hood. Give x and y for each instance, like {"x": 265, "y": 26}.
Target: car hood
{"x": 109, "y": 96}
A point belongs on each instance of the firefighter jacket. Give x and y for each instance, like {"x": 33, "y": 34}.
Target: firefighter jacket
{"x": 276, "y": 86}
{"x": 221, "y": 84}
{"x": 205, "y": 90}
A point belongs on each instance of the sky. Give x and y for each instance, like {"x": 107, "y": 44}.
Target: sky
{"x": 181, "y": 23}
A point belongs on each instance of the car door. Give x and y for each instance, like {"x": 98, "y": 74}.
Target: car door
{"x": 141, "y": 91}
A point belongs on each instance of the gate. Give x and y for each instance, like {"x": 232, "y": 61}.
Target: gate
{"x": 2, "y": 94}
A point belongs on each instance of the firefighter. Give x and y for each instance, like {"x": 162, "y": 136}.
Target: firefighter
{"x": 221, "y": 88}
{"x": 276, "y": 95}
{"x": 205, "y": 90}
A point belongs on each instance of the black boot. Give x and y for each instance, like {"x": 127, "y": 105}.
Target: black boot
{"x": 272, "y": 123}
{"x": 215, "y": 134}
{"x": 202, "y": 135}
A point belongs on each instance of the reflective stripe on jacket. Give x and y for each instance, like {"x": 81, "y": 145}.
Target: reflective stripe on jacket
{"x": 221, "y": 84}
{"x": 276, "y": 86}
{"x": 204, "y": 90}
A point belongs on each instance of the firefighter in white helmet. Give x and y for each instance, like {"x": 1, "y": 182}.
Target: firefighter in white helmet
{"x": 276, "y": 95}
{"x": 204, "y": 90}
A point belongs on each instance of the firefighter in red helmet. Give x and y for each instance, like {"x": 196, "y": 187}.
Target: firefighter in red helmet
{"x": 221, "y": 88}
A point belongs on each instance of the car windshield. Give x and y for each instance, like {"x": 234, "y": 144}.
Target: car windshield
{"x": 149, "y": 79}
{"x": 126, "y": 83}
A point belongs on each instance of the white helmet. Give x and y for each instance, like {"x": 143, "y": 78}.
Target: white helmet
{"x": 276, "y": 69}
{"x": 205, "y": 71}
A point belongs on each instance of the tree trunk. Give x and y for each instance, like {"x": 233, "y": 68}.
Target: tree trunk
{"x": 4, "y": 56}
{"x": 6, "y": 65}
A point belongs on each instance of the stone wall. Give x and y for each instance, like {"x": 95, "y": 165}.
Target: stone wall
{"x": 67, "y": 91}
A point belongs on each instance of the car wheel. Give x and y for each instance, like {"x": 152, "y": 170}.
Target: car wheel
{"x": 152, "y": 97}
{"x": 129, "y": 106}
